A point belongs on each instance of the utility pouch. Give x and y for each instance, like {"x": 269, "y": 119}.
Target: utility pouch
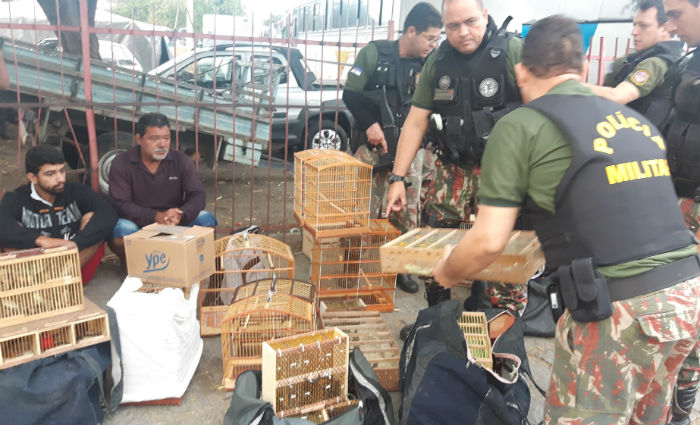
{"x": 584, "y": 291}
{"x": 556, "y": 303}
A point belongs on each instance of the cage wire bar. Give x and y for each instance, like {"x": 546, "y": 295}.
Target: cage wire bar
{"x": 99, "y": 123}
{"x": 255, "y": 319}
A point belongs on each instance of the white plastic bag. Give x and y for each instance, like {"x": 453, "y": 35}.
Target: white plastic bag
{"x": 160, "y": 341}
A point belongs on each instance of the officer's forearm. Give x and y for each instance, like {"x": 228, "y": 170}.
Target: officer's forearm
{"x": 412, "y": 133}
{"x": 623, "y": 94}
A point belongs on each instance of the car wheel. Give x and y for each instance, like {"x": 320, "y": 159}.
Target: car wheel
{"x": 110, "y": 141}
{"x": 103, "y": 169}
{"x": 326, "y": 136}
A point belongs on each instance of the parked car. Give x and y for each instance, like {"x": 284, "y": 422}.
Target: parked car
{"x": 309, "y": 105}
{"x": 112, "y": 53}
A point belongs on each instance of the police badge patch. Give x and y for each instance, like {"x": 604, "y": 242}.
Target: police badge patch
{"x": 495, "y": 53}
{"x": 640, "y": 77}
{"x": 444, "y": 82}
{"x": 356, "y": 70}
{"x": 488, "y": 87}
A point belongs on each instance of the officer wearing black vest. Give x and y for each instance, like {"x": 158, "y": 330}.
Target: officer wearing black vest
{"x": 378, "y": 93}
{"x": 638, "y": 78}
{"x": 592, "y": 177}
{"x": 466, "y": 85}
{"x": 683, "y": 138}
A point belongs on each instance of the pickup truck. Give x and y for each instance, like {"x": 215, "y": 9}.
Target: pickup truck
{"x": 317, "y": 116}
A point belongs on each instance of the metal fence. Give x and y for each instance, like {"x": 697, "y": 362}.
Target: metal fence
{"x": 240, "y": 105}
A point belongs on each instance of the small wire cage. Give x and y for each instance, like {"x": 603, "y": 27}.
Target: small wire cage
{"x": 39, "y": 283}
{"x": 476, "y": 334}
{"x": 305, "y": 372}
{"x": 331, "y": 193}
{"x": 352, "y": 263}
{"x": 255, "y": 319}
{"x": 240, "y": 259}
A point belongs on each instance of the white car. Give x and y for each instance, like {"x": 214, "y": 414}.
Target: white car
{"x": 111, "y": 53}
{"x": 310, "y": 106}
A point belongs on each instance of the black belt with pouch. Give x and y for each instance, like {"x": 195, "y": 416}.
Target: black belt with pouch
{"x": 589, "y": 295}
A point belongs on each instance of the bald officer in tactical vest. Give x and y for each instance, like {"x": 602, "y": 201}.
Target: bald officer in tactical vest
{"x": 638, "y": 79}
{"x": 592, "y": 177}
{"x": 378, "y": 93}
{"x": 466, "y": 85}
{"x": 683, "y": 139}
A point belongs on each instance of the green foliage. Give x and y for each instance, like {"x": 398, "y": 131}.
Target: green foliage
{"x": 164, "y": 12}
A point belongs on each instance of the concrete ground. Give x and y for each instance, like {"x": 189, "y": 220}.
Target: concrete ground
{"x": 206, "y": 403}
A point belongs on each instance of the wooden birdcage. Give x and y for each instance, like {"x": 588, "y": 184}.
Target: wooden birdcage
{"x": 327, "y": 413}
{"x": 373, "y": 299}
{"x": 46, "y": 337}
{"x": 210, "y": 317}
{"x": 240, "y": 259}
{"x": 341, "y": 266}
{"x": 39, "y": 283}
{"x": 305, "y": 372}
{"x": 331, "y": 193}
{"x": 255, "y": 319}
{"x": 369, "y": 332}
{"x": 418, "y": 251}
{"x": 476, "y": 333}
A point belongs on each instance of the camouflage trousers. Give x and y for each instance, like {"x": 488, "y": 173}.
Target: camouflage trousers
{"x": 622, "y": 369}
{"x": 689, "y": 374}
{"x": 407, "y": 219}
{"x": 450, "y": 194}
{"x": 450, "y": 197}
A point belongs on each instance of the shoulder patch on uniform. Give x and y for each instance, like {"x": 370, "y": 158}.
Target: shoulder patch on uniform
{"x": 640, "y": 77}
{"x": 356, "y": 70}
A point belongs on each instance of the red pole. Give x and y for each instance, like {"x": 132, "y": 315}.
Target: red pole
{"x": 87, "y": 81}
{"x": 601, "y": 62}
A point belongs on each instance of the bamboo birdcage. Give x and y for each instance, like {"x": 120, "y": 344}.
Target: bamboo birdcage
{"x": 53, "y": 335}
{"x": 352, "y": 263}
{"x": 306, "y": 372}
{"x": 255, "y": 319}
{"x": 211, "y": 317}
{"x": 476, "y": 334}
{"x": 418, "y": 251}
{"x": 369, "y": 332}
{"x": 240, "y": 259}
{"x": 327, "y": 413}
{"x": 39, "y": 283}
{"x": 331, "y": 193}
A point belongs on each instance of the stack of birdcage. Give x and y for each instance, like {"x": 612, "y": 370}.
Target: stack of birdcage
{"x": 42, "y": 308}
{"x": 332, "y": 205}
{"x": 241, "y": 258}
{"x": 261, "y": 311}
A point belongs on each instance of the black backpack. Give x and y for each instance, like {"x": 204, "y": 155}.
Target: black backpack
{"x": 375, "y": 407}
{"x": 440, "y": 385}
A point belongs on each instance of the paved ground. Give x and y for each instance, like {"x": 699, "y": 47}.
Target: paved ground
{"x": 205, "y": 402}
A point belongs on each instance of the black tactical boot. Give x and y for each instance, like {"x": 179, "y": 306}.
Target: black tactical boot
{"x": 475, "y": 300}
{"x": 682, "y": 404}
{"x": 435, "y": 294}
{"x": 406, "y": 283}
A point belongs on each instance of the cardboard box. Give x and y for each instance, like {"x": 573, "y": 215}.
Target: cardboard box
{"x": 170, "y": 255}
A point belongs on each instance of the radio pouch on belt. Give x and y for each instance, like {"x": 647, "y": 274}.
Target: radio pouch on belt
{"x": 585, "y": 291}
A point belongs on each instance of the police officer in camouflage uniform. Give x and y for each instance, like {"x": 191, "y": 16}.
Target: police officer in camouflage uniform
{"x": 378, "y": 93}
{"x": 466, "y": 85}
{"x": 592, "y": 177}
{"x": 683, "y": 138}
{"x": 638, "y": 79}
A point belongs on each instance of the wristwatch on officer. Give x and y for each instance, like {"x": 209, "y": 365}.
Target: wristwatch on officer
{"x": 393, "y": 178}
